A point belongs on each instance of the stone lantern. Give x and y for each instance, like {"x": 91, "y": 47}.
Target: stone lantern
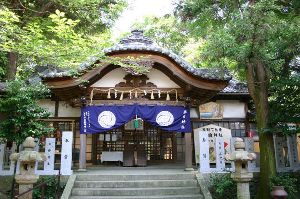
{"x": 241, "y": 174}
{"x": 27, "y": 159}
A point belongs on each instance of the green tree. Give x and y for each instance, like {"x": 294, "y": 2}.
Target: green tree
{"x": 60, "y": 32}
{"x": 260, "y": 38}
{"x": 22, "y": 113}
{"x": 285, "y": 103}
{"x": 166, "y": 31}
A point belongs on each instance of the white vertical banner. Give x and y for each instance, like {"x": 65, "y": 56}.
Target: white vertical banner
{"x": 2, "y": 148}
{"x": 50, "y": 155}
{"x": 66, "y": 153}
{"x": 204, "y": 152}
{"x": 220, "y": 157}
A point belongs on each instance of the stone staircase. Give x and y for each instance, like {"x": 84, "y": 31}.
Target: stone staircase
{"x": 129, "y": 186}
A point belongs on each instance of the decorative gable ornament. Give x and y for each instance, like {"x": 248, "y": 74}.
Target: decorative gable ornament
{"x": 137, "y": 67}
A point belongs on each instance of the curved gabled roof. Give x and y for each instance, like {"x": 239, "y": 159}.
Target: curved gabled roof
{"x": 197, "y": 83}
{"x": 138, "y": 42}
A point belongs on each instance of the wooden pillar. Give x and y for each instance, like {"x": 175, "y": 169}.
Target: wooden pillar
{"x": 82, "y": 155}
{"x": 188, "y": 152}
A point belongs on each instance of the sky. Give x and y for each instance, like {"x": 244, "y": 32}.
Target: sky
{"x": 137, "y": 10}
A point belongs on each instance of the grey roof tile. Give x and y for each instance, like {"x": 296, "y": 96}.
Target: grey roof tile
{"x": 235, "y": 86}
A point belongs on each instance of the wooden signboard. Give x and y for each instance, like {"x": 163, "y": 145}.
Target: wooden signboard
{"x": 213, "y": 132}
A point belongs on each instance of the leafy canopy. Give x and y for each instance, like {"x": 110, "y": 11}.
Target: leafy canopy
{"x": 60, "y": 33}
{"x": 21, "y": 111}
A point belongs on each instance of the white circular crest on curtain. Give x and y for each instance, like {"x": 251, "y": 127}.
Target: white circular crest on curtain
{"x": 107, "y": 119}
{"x": 164, "y": 118}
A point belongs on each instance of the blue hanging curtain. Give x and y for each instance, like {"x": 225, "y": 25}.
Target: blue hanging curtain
{"x": 98, "y": 119}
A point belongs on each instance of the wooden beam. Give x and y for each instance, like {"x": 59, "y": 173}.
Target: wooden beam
{"x": 142, "y": 102}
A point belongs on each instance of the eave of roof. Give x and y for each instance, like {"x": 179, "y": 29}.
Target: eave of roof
{"x": 235, "y": 87}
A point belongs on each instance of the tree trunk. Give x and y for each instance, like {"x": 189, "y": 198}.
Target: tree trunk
{"x": 258, "y": 80}
{"x": 12, "y": 66}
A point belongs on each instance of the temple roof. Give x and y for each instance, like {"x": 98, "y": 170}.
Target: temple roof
{"x": 235, "y": 87}
{"x": 138, "y": 42}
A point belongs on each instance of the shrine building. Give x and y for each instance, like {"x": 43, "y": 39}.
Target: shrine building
{"x": 145, "y": 111}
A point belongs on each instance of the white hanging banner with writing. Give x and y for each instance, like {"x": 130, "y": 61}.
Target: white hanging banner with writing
{"x": 203, "y": 155}
{"x": 50, "y": 154}
{"x": 66, "y": 153}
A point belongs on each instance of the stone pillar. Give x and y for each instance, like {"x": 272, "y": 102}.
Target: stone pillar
{"x": 82, "y": 155}
{"x": 23, "y": 188}
{"x": 188, "y": 152}
{"x": 243, "y": 189}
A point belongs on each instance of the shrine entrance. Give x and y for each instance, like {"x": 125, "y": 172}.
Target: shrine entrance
{"x": 161, "y": 92}
{"x": 139, "y": 146}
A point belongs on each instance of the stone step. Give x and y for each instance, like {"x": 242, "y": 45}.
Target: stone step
{"x": 194, "y": 196}
{"x": 135, "y": 191}
{"x": 90, "y": 177}
{"x": 136, "y": 183}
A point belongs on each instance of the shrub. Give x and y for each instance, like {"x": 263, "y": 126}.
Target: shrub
{"x": 222, "y": 186}
{"x": 50, "y": 189}
{"x": 288, "y": 181}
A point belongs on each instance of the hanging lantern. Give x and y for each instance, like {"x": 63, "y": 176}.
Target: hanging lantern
{"x": 152, "y": 95}
{"x": 116, "y": 94}
{"x": 168, "y": 97}
{"x": 121, "y": 97}
{"x": 136, "y": 122}
{"x": 108, "y": 94}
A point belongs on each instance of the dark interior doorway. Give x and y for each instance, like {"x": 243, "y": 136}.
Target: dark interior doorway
{"x": 143, "y": 145}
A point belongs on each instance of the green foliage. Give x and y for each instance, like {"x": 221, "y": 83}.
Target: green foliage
{"x": 62, "y": 33}
{"x": 52, "y": 40}
{"x": 3, "y": 63}
{"x": 50, "y": 189}
{"x": 21, "y": 111}
{"x": 257, "y": 40}
{"x": 285, "y": 103}
{"x": 167, "y": 31}
{"x": 288, "y": 181}
{"x": 222, "y": 186}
